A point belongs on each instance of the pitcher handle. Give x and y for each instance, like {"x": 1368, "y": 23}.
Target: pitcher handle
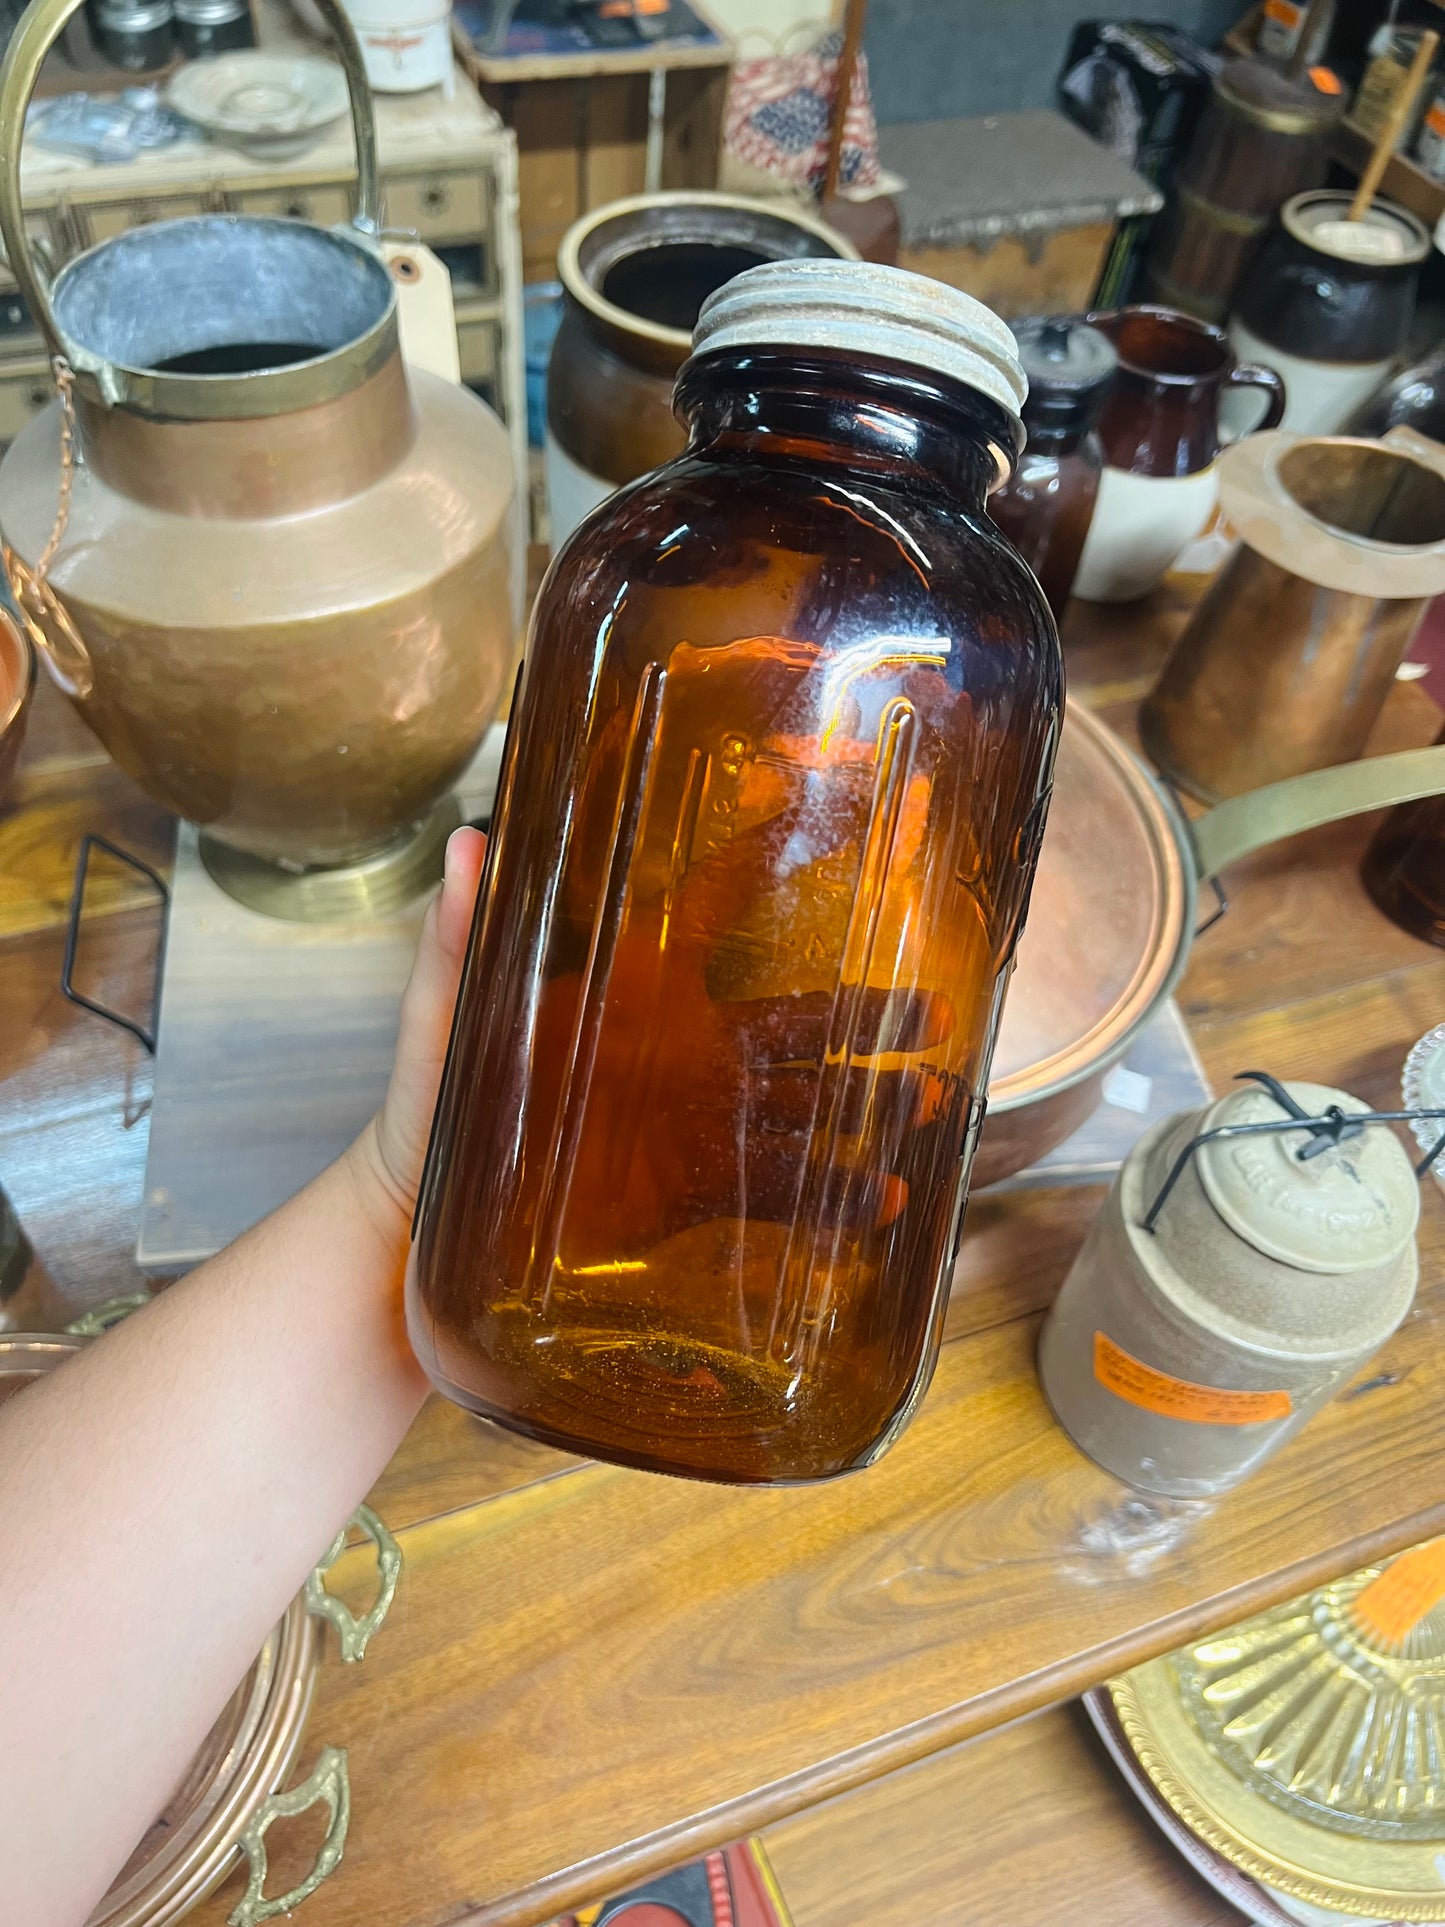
{"x": 40, "y": 27}
{"x": 1244, "y": 823}
{"x": 1253, "y": 374}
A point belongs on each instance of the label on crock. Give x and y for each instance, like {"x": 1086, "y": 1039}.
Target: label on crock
{"x": 572, "y": 491}
{"x": 1155, "y": 1391}
{"x": 1392, "y": 1606}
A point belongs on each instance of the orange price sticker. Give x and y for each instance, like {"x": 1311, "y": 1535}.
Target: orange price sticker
{"x": 1395, "y": 1603}
{"x": 1155, "y": 1391}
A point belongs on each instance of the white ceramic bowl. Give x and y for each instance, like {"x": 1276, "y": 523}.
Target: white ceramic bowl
{"x": 272, "y": 106}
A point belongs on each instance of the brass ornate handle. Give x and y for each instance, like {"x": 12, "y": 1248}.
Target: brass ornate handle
{"x": 1262, "y": 816}
{"x": 353, "y": 1635}
{"x": 110, "y": 1311}
{"x": 328, "y": 1782}
{"x": 40, "y": 27}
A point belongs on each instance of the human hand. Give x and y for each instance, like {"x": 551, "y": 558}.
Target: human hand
{"x": 387, "y": 1158}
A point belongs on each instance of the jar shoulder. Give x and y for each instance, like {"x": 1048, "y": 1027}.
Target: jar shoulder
{"x": 721, "y": 550}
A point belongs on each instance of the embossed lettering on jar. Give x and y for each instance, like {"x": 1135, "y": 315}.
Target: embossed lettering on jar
{"x": 775, "y": 784}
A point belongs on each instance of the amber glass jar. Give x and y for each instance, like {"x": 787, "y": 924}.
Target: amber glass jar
{"x": 1404, "y": 867}
{"x": 774, "y": 786}
{"x": 1046, "y": 507}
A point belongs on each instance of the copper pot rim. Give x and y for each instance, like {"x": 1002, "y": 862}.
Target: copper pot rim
{"x": 267, "y": 1717}
{"x": 17, "y": 645}
{"x": 622, "y": 320}
{"x": 1160, "y": 965}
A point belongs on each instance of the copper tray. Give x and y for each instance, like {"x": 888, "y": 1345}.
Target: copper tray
{"x": 1112, "y": 917}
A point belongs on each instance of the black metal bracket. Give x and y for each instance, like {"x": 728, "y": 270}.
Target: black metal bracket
{"x": 1334, "y": 1127}
{"x": 90, "y": 841}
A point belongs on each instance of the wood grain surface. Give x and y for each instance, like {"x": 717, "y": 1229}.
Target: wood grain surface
{"x": 590, "y": 1673}
{"x": 1029, "y": 1826}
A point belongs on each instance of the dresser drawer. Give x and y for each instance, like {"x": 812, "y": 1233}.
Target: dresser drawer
{"x": 25, "y": 387}
{"x": 101, "y": 220}
{"x": 437, "y": 207}
{"x": 328, "y": 205}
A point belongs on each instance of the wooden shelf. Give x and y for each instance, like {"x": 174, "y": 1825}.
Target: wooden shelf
{"x": 591, "y": 1674}
{"x": 1403, "y": 180}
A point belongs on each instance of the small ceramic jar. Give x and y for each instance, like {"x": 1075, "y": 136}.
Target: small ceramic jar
{"x": 1180, "y": 1358}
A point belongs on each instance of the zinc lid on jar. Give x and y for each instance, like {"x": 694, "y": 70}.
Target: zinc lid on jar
{"x": 1424, "y": 1089}
{"x": 210, "y": 13}
{"x": 1069, "y": 367}
{"x": 1348, "y": 1207}
{"x": 863, "y": 308}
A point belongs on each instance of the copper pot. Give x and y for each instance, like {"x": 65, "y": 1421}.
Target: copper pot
{"x": 1285, "y": 663}
{"x": 279, "y": 589}
{"x": 634, "y": 275}
{"x": 17, "y": 690}
{"x": 1113, "y": 915}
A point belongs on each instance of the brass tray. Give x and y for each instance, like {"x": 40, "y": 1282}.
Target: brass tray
{"x": 231, "y": 1792}
{"x": 1307, "y": 1750}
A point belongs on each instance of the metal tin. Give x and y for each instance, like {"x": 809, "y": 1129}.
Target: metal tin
{"x": 208, "y": 27}
{"x": 135, "y": 34}
{"x": 1304, "y": 1749}
{"x": 1185, "y": 1349}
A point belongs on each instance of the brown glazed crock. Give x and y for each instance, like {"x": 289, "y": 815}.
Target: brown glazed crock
{"x": 634, "y": 275}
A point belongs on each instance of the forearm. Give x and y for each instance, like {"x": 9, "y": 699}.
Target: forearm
{"x": 162, "y": 1499}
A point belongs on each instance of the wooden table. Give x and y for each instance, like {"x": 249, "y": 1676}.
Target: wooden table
{"x": 590, "y": 1673}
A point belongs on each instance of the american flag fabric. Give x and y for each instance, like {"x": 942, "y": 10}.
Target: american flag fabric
{"x": 778, "y": 110}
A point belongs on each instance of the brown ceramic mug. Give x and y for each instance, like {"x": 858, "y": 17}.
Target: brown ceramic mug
{"x": 1160, "y": 430}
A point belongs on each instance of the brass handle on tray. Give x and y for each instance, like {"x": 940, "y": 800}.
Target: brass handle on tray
{"x": 1244, "y": 823}
{"x": 328, "y": 1781}
{"x": 353, "y": 1634}
{"x": 40, "y": 27}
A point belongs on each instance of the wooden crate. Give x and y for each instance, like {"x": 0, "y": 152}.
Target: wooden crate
{"x": 582, "y": 124}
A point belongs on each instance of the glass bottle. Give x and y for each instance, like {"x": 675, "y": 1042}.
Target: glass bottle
{"x": 1404, "y": 866}
{"x": 1047, "y": 505}
{"x": 775, "y": 782}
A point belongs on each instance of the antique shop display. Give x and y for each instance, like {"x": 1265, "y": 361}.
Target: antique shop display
{"x": 1263, "y": 137}
{"x": 1284, "y": 664}
{"x": 1327, "y": 301}
{"x": 1404, "y": 867}
{"x": 233, "y": 1790}
{"x": 17, "y": 690}
{"x": 1302, "y": 1746}
{"x": 271, "y": 567}
{"x": 1248, "y": 1260}
{"x": 635, "y": 274}
{"x": 1046, "y": 506}
{"x": 1160, "y": 431}
{"x": 743, "y": 938}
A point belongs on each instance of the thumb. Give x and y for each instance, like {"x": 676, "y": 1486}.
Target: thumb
{"x": 404, "y": 1123}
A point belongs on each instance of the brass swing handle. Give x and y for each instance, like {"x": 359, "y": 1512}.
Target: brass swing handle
{"x": 40, "y": 27}
{"x": 1232, "y": 829}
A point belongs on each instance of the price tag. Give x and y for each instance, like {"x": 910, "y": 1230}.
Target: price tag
{"x": 1391, "y": 1606}
{"x": 425, "y": 312}
{"x": 1155, "y": 1391}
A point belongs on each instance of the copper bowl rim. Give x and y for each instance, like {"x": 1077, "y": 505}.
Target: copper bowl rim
{"x": 1158, "y": 970}
{"x": 14, "y": 638}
